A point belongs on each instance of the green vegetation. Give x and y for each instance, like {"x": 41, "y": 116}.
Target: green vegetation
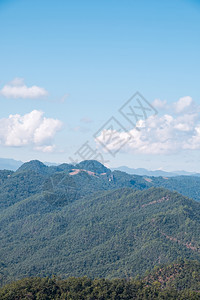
{"x": 119, "y": 233}
{"x": 180, "y": 275}
{"x": 93, "y": 223}
{"x": 116, "y": 289}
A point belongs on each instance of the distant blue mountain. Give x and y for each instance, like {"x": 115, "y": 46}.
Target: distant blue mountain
{"x": 13, "y": 165}
{"x": 156, "y": 173}
{"x": 10, "y": 164}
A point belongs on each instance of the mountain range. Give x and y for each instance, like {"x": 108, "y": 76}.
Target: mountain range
{"x": 156, "y": 173}
{"x": 84, "y": 219}
{"x": 11, "y": 164}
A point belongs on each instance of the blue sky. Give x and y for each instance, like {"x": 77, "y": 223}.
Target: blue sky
{"x": 80, "y": 61}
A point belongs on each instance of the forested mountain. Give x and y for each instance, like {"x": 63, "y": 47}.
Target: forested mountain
{"x": 116, "y": 233}
{"x": 86, "y": 220}
{"x": 86, "y": 177}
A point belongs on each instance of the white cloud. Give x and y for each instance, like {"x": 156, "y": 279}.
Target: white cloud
{"x": 18, "y": 89}
{"x": 160, "y": 104}
{"x": 183, "y": 104}
{"x": 30, "y": 129}
{"x": 194, "y": 142}
{"x": 164, "y": 134}
{"x": 17, "y": 81}
{"x": 46, "y": 149}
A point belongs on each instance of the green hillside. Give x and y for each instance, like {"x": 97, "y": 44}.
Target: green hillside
{"x": 86, "y": 220}
{"x": 119, "y": 233}
{"x": 85, "y": 178}
{"x": 94, "y": 176}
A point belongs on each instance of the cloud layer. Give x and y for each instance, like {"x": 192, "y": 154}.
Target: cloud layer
{"x": 32, "y": 129}
{"x": 166, "y": 134}
{"x": 17, "y": 89}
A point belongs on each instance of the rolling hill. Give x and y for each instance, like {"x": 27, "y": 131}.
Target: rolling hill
{"x": 116, "y": 233}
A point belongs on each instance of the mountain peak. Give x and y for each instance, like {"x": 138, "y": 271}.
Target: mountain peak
{"x": 33, "y": 165}
{"x": 93, "y": 166}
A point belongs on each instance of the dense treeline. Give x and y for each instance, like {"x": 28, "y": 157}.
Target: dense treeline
{"x": 87, "y": 289}
{"x": 179, "y": 280}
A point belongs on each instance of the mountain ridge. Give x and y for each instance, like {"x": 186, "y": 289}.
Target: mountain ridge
{"x": 111, "y": 234}
{"x": 87, "y": 182}
{"x": 109, "y": 224}
{"x": 13, "y": 165}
